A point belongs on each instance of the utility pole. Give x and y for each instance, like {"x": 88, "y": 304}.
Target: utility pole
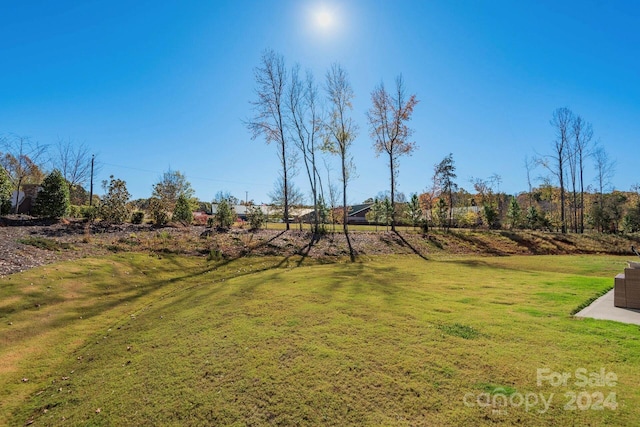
{"x": 91, "y": 190}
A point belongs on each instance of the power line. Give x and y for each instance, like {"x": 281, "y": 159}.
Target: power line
{"x": 190, "y": 176}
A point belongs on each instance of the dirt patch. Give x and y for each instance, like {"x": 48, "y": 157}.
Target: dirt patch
{"x": 26, "y": 243}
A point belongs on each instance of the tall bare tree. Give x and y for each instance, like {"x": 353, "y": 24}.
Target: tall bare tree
{"x": 605, "y": 169}
{"x": 561, "y": 121}
{"x": 572, "y": 163}
{"x": 340, "y": 128}
{"x": 529, "y": 165}
{"x": 306, "y": 125}
{"x": 269, "y": 120}
{"x": 388, "y": 117}
{"x": 73, "y": 161}
{"x": 21, "y": 160}
{"x": 583, "y": 135}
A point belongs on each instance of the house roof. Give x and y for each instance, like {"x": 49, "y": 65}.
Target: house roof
{"x": 356, "y": 209}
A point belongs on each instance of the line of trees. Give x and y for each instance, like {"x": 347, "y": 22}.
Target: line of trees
{"x": 289, "y": 113}
{"x": 24, "y": 161}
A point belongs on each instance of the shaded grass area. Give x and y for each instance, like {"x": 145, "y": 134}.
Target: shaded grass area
{"x": 393, "y": 340}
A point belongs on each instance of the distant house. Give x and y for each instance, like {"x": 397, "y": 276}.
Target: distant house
{"x": 240, "y": 210}
{"x": 25, "y": 198}
{"x": 357, "y": 214}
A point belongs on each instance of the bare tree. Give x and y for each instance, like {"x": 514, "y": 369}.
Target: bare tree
{"x": 529, "y": 165}
{"x": 583, "y": 134}
{"x": 334, "y": 193}
{"x": 572, "y": 163}
{"x": 388, "y": 117}
{"x": 340, "y": 128}
{"x": 73, "y": 161}
{"x": 555, "y": 163}
{"x": 294, "y": 196}
{"x": 306, "y": 126}
{"x": 20, "y": 160}
{"x": 270, "y": 115}
{"x": 605, "y": 169}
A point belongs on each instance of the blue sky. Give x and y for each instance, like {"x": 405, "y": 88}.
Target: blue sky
{"x": 153, "y": 85}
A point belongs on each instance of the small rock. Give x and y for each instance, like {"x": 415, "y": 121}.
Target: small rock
{"x": 24, "y": 380}
{"x": 98, "y": 410}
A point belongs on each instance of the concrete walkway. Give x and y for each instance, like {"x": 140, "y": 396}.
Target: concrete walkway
{"x": 603, "y": 308}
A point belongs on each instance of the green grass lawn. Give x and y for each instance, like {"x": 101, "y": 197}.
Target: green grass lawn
{"x": 139, "y": 340}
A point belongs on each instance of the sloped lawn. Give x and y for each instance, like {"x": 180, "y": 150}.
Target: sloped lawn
{"x": 135, "y": 339}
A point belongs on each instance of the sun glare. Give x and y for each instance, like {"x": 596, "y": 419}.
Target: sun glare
{"x": 324, "y": 19}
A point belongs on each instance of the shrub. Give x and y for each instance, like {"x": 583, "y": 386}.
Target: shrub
{"x": 182, "y": 211}
{"x": 256, "y": 217}
{"x": 211, "y": 221}
{"x": 89, "y": 212}
{"x": 5, "y": 192}
{"x": 225, "y": 215}
{"x": 52, "y": 200}
{"x": 75, "y": 211}
{"x": 114, "y": 208}
{"x": 158, "y": 211}
{"x": 137, "y": 217}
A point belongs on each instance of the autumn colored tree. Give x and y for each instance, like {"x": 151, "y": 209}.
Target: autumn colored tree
{"x": 388, "y": 117}
{"x": 21, "y": 161}
{"x": 341, "y": 131}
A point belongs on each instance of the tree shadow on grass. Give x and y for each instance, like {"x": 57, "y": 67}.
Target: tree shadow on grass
{"x": 352, "y": 253}
{"x": 410, "y": 246}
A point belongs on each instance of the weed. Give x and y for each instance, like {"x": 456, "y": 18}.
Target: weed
{"x": 458, "y": 330}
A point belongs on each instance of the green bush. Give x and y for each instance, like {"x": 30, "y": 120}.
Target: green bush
{"x": 89, "y": 212}
{"x": 5, "y": 192}
{"x": 225, "y": 215}
{"x": 182, "y": 211}
{"x": 114, "y": 207}
{"x": 158, "y": 211}
{"x": 137, "y": 217}
{"x": 52, "y": 200}
{"x": 5, "y": 207}
{"x": 75, "y": 211}
{"x": 256, "y": 217}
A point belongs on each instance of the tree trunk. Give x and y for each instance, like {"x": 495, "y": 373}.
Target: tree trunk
{"x": 344, "y": 194}
{"x": 393, "y": 185}
{"x": 285, "y": 185}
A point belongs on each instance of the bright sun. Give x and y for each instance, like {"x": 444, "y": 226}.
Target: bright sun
{"x": 324, "y": 19}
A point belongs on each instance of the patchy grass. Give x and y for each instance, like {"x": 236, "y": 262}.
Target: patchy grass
{"x": 45, "y": 243}
{"x": 145, "y": 340}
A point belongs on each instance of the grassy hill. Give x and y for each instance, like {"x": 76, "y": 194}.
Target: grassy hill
{"x": 147, "y": 339}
